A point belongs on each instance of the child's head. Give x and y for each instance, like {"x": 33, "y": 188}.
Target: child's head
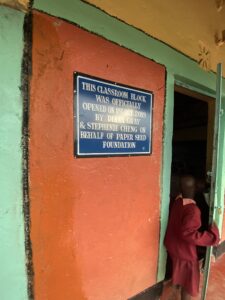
{"x": 188, "y": 187}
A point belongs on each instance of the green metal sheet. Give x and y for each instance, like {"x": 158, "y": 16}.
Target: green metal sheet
{"x": 215, "y": 205}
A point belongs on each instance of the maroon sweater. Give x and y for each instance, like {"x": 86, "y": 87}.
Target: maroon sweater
{"x": 182, "y": 235}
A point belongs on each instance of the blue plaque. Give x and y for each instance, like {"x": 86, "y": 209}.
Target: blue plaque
{"x": 111, "y": 119}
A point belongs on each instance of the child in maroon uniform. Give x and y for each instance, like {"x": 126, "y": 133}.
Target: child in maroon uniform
{"x": 182, "y": 237}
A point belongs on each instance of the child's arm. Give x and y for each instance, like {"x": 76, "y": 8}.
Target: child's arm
{"x": 190, "y": 225}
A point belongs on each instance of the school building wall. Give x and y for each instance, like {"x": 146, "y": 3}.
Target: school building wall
{"x": 96, "y": 220}
{"x": 72, "y": 211}
{"x": 190, "y": 27}
{"x": 180, "y": 70}
{"x": 13, "y": 278}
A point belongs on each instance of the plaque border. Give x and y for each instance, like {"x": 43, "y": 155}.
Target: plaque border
{"x": 75, "y": 119}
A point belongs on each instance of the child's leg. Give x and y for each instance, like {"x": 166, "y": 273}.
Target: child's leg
{"x": 175, "y": 293}
{"x": 185, "y": 295}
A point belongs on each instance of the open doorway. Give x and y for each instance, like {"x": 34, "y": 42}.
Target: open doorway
{"x": 193, "y": 127}
{"x": 192, "y": 150}
{"x": 192, "y": 133}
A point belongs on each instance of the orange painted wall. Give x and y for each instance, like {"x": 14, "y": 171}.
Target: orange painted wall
{"x": 94, "y": 221}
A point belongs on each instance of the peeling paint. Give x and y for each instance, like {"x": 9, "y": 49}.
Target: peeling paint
{"x": 22, "y": 5}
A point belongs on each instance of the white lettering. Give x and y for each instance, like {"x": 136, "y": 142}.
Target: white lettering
{"x": 99, "y": 117}
{"x": 94, "y": 107}
{"x": 91, "y": 135}
{"x": 124, "y": 136}
{"x": 113, "y": 92}
{"x": 120, "y": 145}
{"x": 88, "y": 87}
{"x": 136, "y": 97}
{"x": 140, "y": 137}
{"x": 128, "y": 128}
{"x": 102, "y": 99}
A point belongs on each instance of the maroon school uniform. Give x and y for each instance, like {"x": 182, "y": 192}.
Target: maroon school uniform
{"x": 182, "y": 237}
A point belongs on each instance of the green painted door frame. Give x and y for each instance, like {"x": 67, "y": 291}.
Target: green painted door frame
{"x": 172, "y": 81}
{"x": 215, "y": 204}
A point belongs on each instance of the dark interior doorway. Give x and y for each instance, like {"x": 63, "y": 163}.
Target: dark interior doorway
{"x": 190, "y": 125}
{"x": 193, "y": 125}
{"x": 192, "y": 145}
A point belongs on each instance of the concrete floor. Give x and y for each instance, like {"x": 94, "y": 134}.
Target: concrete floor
{"x": 216, "y": 287}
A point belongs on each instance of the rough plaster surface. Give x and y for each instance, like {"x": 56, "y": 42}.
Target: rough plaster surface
{"x": 96, "y": 219}
{"x": 12, "y": 253}
{"x": 178, "y": 66}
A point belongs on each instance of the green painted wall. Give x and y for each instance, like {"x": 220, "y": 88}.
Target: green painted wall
{"x": 180, "y": 69}
{"x": 13, "y": 285}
